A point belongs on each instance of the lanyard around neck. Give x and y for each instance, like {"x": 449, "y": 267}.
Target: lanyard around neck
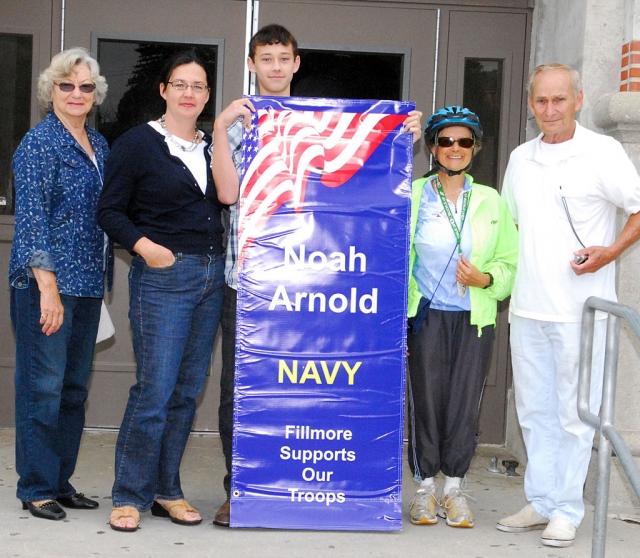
{"x": 447, "y": 209}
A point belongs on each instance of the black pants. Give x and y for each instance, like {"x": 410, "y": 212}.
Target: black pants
{"x": 225, "y": 411}
{"x": 448, "y": 364}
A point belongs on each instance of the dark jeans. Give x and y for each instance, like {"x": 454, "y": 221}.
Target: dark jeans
{"x": 51, "y": 389}
{"x": 225, "y": 411}
{"x": 174, "y": 314}
{"x": 448, "y": 364}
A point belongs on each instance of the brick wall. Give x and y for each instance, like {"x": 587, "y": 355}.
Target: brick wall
{"x": 630, "y": 73}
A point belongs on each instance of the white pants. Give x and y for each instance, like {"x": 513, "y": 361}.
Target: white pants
{"x": 545, "y": 376}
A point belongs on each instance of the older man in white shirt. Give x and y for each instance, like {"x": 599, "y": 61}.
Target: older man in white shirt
{"x": 563, "y": 189}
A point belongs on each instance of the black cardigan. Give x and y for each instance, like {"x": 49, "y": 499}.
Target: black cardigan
{"x": 150, "y": 193}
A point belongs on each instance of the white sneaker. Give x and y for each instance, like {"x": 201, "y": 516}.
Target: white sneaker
{"x": 560, "y": 532}
{"x": 527, "y": 519}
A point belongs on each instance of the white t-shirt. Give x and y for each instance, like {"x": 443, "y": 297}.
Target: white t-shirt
{"x": 193, "y": 160}
{"x": 595, "y": 176}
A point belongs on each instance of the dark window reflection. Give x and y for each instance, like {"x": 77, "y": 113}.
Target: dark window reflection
{"x": 132, "y": 70}
{"x": 483, "y": 95}
{"x": 15, "y": 92}
{"x": 348, "y": 75}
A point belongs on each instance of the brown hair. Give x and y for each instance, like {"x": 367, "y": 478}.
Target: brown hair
{"x": 272, "y": 34}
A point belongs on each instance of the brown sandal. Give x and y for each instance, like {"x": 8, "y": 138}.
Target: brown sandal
{"x": 124, "y": 511}
{"x": 175, "y": 510}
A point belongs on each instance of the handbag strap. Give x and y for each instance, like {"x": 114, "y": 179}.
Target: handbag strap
{"x": 423, "y": 307}
{"x": 445, "y": 270}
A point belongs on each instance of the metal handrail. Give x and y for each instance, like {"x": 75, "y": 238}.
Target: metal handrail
{"x": 609, "y": 435}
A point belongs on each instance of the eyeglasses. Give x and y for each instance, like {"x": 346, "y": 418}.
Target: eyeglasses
{"x": 465, "y": 143}
{"x": 182, "y": 86}
{"x": 69, "y": 87}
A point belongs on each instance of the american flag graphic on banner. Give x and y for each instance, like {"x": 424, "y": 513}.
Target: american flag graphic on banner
{"x": 324, "y": 216}
{"x": 284, "y": 147}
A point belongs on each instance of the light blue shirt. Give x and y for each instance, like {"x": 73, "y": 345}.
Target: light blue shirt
{"x": 434, "y": 244}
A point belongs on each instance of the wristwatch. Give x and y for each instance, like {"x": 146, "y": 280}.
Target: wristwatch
{"x": 490, "y": 284}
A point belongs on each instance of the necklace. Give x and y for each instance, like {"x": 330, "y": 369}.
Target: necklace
{"x": 437, "y": 182}
{"x": 188, "y": 148}
{"x": 454, "y": 193}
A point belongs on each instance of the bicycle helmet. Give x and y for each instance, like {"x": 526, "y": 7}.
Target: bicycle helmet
{"x": 453, "y": 116}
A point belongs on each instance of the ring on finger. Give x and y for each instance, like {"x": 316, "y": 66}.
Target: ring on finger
{"x": 43, "y": 316}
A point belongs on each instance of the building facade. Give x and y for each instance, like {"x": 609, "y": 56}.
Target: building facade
{"x": 471, "y": 52}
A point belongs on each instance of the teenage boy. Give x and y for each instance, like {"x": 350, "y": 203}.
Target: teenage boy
{"x": 273, "y": 57}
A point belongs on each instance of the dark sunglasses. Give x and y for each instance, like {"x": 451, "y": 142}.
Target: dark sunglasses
{"x": 69, "y": 87}
{"x": 465, "y": 143}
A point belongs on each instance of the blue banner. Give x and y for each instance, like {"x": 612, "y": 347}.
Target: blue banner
{"x": 321, "y": 325}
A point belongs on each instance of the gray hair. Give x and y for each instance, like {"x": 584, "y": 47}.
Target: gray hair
{"x": 576, "y": 82}
{"x": 61, "y": 66}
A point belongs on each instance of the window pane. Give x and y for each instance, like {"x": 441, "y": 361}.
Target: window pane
{"x": 15, "y": 92}
{"x": 132, "y": 70}
{"x": 348, "y": 75}
{"x": 483, "y": 95}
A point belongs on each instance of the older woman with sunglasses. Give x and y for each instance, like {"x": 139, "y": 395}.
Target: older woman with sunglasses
{"x": 56, "y": 276}
{"x": 160, "y": 203}
{"x": 463, "y": 259}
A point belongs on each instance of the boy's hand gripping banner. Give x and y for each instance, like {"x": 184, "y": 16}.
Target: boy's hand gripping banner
{"x": 321, "y": 336}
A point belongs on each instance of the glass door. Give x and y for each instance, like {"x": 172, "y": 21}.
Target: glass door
{"x": 483, "y": 68}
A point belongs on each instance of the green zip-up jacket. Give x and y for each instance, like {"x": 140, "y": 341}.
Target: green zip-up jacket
{"x": 494, "y": 250}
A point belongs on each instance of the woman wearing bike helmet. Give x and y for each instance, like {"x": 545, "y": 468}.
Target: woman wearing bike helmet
{"x": 464, "y": 250}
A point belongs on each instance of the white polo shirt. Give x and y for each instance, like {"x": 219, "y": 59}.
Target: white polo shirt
{"x": 595, "y": 176}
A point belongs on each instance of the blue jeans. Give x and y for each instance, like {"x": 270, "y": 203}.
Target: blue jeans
{"x": 51, "y": 388}
{"x": 174, "y": 314}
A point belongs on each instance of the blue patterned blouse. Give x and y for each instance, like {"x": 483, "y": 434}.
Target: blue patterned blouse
{"x": 57, "y": 190}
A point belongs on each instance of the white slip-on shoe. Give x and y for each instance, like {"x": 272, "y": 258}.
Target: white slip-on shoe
{"x": 560, "y": 532}
{"x": 527, "y": 519}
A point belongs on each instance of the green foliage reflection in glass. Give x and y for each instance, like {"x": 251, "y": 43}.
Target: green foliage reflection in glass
{"x": 483, "y": 95}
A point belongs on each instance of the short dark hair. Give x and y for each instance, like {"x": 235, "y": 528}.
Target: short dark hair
{"x": 272, "y": 34}
{"x": 179, "y": 59}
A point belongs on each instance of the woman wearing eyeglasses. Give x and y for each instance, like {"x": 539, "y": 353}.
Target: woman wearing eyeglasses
{"x": 160, "y": 203}
{"x": 56, "y": 276}
{"x": 463, "y": 259}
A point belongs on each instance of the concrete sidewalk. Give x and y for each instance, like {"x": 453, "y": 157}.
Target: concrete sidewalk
{"x": 86, "y": 534}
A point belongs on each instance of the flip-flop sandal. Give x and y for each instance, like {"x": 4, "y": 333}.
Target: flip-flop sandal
{"x": 175, "y": 510}
{"x": 124, "y": 511}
